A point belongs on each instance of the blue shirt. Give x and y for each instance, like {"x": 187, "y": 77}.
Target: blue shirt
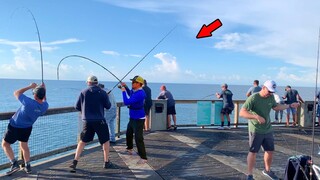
{"x": 168, "y": 96}
{"x": 135, "y": 103}
{"x": 28, "y": 112}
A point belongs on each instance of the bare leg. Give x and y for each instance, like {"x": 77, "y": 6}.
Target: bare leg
{"x": 268, "y": 159}
{"x": 288, "y": 117}
{"x": 7, "y": 150}
{"x": 222, "y": 117}
{"x": 106, "y": 147}
{"x": 79, "y": 150}
{"x": 146, "y": 123}
{"x": 294, "y": 119}
{"x": 169, "y": 121}
{"x": 251, "y": 160}
{"x": 174, "y": 119}
{"x": 25, "y": 151}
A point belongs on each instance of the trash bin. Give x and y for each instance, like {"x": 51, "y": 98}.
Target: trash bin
{"x": 158, "y": 116}
{"x": 306, "y": 114}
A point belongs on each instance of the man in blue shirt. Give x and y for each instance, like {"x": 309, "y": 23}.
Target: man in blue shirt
{"x": 292, "y": 96}
{"x": 254, "y": 89}
{"x": 135, "y": 103}
{"x": 91, "y": 103}
{"x": 20, "y": 125}
{"x": 228, "y": 105}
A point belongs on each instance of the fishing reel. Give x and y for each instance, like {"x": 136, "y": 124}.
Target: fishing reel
{"x": 119, "y": 86}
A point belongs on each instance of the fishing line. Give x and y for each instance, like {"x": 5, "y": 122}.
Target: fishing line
{"x": 39, "y": 39}
{"x": 83, "y": 57}
{"x": 143, "y": 58}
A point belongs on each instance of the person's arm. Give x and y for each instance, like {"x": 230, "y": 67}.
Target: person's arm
{"x": 218, "y": 95}
{"x": 249, "y": 92}
{"x": 18, "y": 92}
{"x": 280, "y": 107}
{"x": 299, "y": 98}
{"x": 246, "y": 114}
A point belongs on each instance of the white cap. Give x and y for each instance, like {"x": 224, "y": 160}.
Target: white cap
{"x": 270, "y": 85}
{"x": 92, "y": 79}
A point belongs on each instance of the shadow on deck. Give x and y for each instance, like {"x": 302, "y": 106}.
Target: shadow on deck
{"x": 192, "y": 153}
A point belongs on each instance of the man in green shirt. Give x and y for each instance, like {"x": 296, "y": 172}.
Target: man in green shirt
{"x": 257, "y": 110}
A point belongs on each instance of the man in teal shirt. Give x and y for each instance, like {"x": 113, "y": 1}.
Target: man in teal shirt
{"x": 257, "y": 110}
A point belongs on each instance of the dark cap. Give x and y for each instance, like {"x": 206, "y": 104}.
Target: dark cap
{"x": 40, "y": 92}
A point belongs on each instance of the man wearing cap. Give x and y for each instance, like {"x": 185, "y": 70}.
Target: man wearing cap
{"x": 228, "y": 105}
{"x": 257, "y": 110}
{"x": 20, "y": 124}
{"x": 292, "y": 96}
{"x": 135, "y": 103}
{"x": 91, "y": 103}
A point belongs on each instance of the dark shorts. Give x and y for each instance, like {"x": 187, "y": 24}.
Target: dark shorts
{"x": 258, "y": 140}
{"x": 14, "y": 134}
{"x": 171, "y": 110}
{"x": 90, "y": 128}
{"x": 227, "y": 110}
{"x": 147, "y": 109}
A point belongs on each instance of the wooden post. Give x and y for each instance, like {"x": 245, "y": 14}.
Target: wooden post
{"x": 236, "y": 113}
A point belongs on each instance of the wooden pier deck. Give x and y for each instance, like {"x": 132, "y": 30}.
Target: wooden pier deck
{"x": 191, "y": 153}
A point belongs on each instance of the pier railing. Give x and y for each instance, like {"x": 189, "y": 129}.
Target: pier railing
{"x": 57, "y": 131}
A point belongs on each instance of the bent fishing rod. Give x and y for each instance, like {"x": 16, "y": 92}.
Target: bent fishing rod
{"x": 83, "y": 57}
{"x": 142, "y": 58}
{"x": 39, "y": 40}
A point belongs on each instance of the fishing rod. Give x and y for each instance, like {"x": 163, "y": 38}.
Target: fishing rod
{"x": 143, "y": 58}
{"x": 39, "y": 40}
{"x": 315, "y": 97}
{"x": 83, "y": 57}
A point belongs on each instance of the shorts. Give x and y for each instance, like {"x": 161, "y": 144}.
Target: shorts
{"x": 258, "y": 140}
{"x": 147, "y": 109}
{"x": 90, "y": 128}
{"x": 14, "y": 134}
{"x": 171, "y": 110}
{"x": 293, "y": 110}
{"x": 227, "y": 110}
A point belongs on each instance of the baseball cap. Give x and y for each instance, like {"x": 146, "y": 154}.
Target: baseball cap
{"x": 271, "y": 85}
{"x": 39, "y": 91}
{"x": 138, "y": 79}
{"x": 92, "y": 79}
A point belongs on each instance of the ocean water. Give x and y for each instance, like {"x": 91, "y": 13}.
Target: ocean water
{"x": 61, "y": 130}
{"x": 62, "y": 93}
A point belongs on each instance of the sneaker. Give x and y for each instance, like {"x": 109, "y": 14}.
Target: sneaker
{"x": 175, "y": 128}
{"x": 228, "y": 127}
{"x": 221, "y": 127}
{"x": 73, "y": 166}
{"x": 14, "y": 168}
{"x": 107, "y": 165}
{"x": 250, "y": 177}
{"x": 27, "y": 168}
{"x": 169, "y": 128}
{"x": 270, "y": 174}
{"x": 142, "y": 161}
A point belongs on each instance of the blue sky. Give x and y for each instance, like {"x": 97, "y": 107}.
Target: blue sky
{"x": 258, "y": 40}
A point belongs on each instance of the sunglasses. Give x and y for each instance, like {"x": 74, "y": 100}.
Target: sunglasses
{"x": 134, "y": 82}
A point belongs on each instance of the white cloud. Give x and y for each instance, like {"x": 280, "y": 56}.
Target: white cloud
{"x": 168, "y": 63}
{"x": 112, "y": 53}
{"x": 282, "y": 30}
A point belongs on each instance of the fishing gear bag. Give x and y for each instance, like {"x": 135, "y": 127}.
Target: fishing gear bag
{"x": 298, "y": 168}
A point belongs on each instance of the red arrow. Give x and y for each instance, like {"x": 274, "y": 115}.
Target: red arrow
{"x": 206, "y": 31}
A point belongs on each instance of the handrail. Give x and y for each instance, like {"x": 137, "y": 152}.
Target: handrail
{"x": 302, "y": 111}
